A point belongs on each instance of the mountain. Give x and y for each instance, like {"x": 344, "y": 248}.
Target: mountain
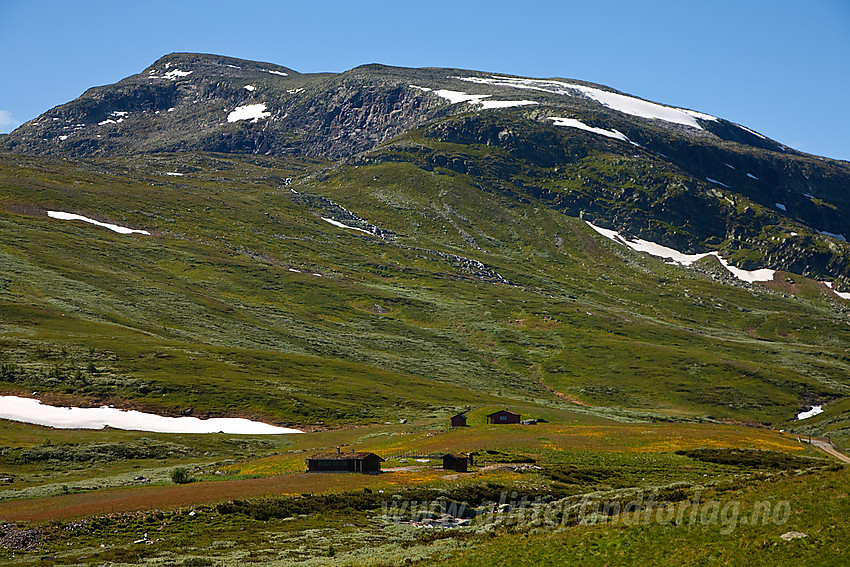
{"x": 681, "y": 178}
{"x": 389, "y": 242}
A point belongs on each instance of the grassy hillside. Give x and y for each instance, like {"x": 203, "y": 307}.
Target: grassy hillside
{"x": 209, "y": 312}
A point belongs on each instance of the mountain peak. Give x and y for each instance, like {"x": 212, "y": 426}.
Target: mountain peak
{"x": 211, "y": 63}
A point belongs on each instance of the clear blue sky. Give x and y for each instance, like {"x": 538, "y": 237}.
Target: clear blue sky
{"x": 777, "y": 66}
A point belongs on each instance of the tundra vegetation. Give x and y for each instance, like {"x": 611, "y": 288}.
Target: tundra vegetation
{"x": 458, "y": 274}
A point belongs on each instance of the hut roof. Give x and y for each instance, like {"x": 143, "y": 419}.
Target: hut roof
{"x": 350, "y": 456}
{"x": 501, "y": 411}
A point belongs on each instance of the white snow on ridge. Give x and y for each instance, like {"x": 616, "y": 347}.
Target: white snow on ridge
{"x": 676, "y": 257}
{"x": 753, "y": 132}
{"x": 651, "y": 248}
{"x": 339, "y": 224}
{"x": 113, "y": 227}
{"x": 751, "y": 176}
{"x": 28, "y": 410}
{"x": 251, "y": 88}
{"x": 811, "y": 413}
{"x": 455, "y": 97}
{"x": 252, "y": 112}
{"x": 781, "y": 207}
{"x": 174, "y": 174}
{"x": 573, "y": 123}
{"x": 491, "y": 104}
{"x": 840, "y": 237}
{"x": 281, "y": 73}
{"x": 749, "y": 276}
{"x": 615, "y": 101}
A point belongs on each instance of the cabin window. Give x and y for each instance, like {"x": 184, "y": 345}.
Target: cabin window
{"x": 503, "y": 417}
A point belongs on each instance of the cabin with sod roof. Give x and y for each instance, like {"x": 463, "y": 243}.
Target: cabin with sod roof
{"x": 456, "y": 462}
{"x": 353, "y": 462}
{"x": 459, "y": 420}
{"x": 503, "y": 416}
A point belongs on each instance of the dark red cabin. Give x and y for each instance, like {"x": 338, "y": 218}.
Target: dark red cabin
{"x": 455, "y": 462}
{"x": 360, "y": 462}
{"x": 459, "y": 420}
{"x": 503, "y": 416}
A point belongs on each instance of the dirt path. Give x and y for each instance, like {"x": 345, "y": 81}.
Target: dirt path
{"x": 823, "y": 445}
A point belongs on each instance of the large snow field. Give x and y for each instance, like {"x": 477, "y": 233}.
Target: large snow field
{"x": 29, "y": 410}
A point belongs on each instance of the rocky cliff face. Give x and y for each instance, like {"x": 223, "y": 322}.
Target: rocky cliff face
{"x": 187, "y": 102}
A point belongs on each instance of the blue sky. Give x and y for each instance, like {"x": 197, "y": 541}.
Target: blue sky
{"x": 779, "y": 67}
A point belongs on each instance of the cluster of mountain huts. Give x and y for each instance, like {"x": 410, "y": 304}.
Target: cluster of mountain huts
{"x": 370, "y": 463}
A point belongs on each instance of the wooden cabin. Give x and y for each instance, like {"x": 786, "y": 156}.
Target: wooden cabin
{"x": 459, "y": 420}
{"x": 353, "y": 462}
{"x": 503, "y": 416}
{"x": 455, "y": 462}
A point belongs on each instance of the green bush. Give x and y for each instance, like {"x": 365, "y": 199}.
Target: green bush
{"x": 180, "y": 476}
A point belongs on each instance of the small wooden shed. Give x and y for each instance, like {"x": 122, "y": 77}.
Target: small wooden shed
{"x": 455, "y": 462}
{"x": 504, "y": 416}
{"x": 459, "y": 420}
{"x": 360, "y": 462}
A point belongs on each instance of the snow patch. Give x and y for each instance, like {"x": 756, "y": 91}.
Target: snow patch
{"x": 63, "y": 138}
{"x": 573, "y": 123}
{"x": 252, "y": 112}
{"x": 716, "y": 182}
{"x": 841, "y": 294}
{"x": 749, "y": 276}
{"x": 781, "y": 207}
{"x": 491, "y": 104}
{"x": 28, "y": 410}
{"x": 753, "y": 132}
{"x": 615, "y": 101}
{"x": 119, "y": 114}
{"x": 339, "y": 224}
{"x": 174, "y": 174}
{"x": 834, "y": 235}
{"x": 810, "y": 413}
{"x": 751, "y": 176}
{"x": 281, "y": 73}
{"x": 729, "y": 165}
{"x": 251, "y": 88}
{"x": 455, "y": 97}
{"x": 673, "y": 256}
{"x": 113, "y": 227}
{"x": 174, "y": 73}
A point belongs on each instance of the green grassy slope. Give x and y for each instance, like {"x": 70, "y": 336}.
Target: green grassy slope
{"x": 207, "y": 313}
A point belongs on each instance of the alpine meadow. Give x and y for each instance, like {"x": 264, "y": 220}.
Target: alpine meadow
{"x": 439, "y": 316}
